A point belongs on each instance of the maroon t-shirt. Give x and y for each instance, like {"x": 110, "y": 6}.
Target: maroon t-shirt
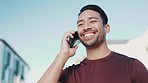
{"x": 115, "y": 68}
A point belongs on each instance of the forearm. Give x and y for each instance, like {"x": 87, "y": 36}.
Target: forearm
{"x": 53, "y": 73}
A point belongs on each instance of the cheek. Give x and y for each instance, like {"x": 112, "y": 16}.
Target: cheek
{"x": 102, "y": 35}
{"x": 79, "y": 30}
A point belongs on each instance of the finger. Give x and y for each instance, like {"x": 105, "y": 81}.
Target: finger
{"x": 75, "y": 47}
{"x": 69, "y": 34}
{"x": 72, "y": 32}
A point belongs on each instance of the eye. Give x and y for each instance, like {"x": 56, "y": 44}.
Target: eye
{"x": 93, "y": 21}
{"x": 80, "y": 24}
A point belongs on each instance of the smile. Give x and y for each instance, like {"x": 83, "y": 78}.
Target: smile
{"x": 88, "y": 36}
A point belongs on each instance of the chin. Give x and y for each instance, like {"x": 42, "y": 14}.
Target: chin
{"x": 89, "y": 44}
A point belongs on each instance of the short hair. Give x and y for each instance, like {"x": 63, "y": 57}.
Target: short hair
{"x": 97, "y": 9}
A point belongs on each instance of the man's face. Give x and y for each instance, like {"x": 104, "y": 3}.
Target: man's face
{"x": 90, "y": 28}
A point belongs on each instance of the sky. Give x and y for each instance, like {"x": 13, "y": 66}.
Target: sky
{"x": 34, "y": 28}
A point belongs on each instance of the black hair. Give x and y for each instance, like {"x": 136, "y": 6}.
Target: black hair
{"x": 97, "y": 9}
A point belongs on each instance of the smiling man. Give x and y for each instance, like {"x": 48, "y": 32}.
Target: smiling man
{"x": 101, "y": 64}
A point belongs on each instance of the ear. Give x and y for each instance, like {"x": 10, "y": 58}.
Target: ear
{"x": 107, "y": 28}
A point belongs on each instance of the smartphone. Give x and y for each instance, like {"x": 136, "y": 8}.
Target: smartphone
{"x": 74, "y": 41}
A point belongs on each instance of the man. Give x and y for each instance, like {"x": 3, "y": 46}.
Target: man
{"x": 101, "y": 64}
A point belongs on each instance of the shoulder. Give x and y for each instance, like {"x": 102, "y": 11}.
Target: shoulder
{"x": 73, "y": 67}
{"x": 67, "y": 72}
{"x": 130, "y": 61}
{"x": 122, "y": 58}
{"x": 137, "y": 70}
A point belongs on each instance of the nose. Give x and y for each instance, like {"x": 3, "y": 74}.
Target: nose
{"x": 87, "y": 27}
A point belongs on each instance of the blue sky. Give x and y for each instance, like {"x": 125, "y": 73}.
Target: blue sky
{"x": 35, "y": 28}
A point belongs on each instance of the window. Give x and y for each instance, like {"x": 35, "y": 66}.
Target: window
{"x": 8, "y": 59}
{"x": 22, "y": 72}
{"x": 6, "y": 63}
{"x": 17, "y": 67}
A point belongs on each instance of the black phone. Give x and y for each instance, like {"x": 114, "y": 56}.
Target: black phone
{"x": 74, "y": 41}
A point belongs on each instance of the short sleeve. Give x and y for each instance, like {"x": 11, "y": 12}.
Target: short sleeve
{"x": 139, "y": 72}
{"x": 64, "y": 76}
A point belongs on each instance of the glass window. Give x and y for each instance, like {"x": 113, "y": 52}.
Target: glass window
{"x": 22, "y": 73}
{"x": 8, "y": 59}
{"x": 6, "y": 64}
{"x": 17, "y": 67}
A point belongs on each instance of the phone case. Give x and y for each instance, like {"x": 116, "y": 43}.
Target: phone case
{"x": 74, "y": 41}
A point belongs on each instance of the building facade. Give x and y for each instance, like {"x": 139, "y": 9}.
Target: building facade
{"x": 13, "y": 68}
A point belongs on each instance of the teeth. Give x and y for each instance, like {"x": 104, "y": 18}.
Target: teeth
{"x": 90, "y": 34}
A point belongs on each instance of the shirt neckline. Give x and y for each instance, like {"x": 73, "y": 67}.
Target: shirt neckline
{"x": 98, "y": 60}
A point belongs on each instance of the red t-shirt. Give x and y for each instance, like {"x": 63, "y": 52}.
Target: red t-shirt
{"x": 115, "y": 68}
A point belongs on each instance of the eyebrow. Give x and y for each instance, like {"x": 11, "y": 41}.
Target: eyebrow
{"x": 93, "y": 18}
{"x": 80, "y": 21}
{"x": 88, "y": 18}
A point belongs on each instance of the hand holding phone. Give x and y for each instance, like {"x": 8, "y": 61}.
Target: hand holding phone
{"x": 74, "y": 41}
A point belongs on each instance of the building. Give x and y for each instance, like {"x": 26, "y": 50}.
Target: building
{"x": 13, "y": 68}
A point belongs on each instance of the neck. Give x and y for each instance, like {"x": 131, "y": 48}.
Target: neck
{"x": 99, "y": 52}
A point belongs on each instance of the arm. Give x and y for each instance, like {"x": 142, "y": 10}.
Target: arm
{"x": 53, "y": 73}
